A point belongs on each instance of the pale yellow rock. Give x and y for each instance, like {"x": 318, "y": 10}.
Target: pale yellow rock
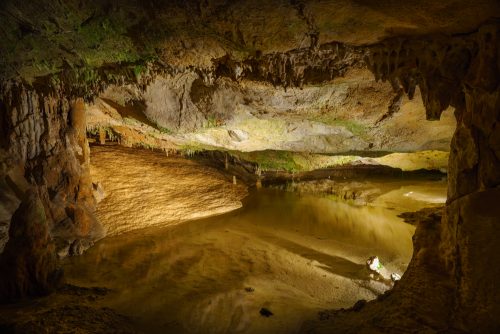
{"x": 146, "y": 188}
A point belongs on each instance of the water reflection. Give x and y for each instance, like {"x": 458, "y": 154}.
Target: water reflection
{"x": 299, "y": 254}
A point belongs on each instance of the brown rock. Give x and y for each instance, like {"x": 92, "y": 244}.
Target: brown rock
{"x": 28, "y": 263}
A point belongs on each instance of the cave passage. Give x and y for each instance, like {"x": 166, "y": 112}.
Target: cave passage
{"x": 292, "y": 253}
{"x": 229, "y": 166}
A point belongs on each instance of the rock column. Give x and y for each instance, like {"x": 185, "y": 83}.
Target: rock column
{"x": 471, "y": 231}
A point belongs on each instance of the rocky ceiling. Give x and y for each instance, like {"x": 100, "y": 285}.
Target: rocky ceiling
{"x": 43, "y": 37}
{"x": 79, "y": 47}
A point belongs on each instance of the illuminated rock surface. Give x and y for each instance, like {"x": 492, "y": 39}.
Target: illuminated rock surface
{"x": 145, "y": 189}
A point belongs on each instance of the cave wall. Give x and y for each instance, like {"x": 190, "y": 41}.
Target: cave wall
{"x": 451, "y": 282}
{"x": 468, "y": 239}
{"x": 463, "y": 72}
{"x": 349, "y": 113}
{"x": 46, "y": 157}
{"x": 471, "y": 238}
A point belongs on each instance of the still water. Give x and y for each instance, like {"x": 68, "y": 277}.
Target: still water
{"x": 292, "y": 254}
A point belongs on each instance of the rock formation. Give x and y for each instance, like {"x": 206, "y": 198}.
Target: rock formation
{"x": 453, "y": 265}
{"x": 29, "y": 261}
{"x": 55, "y": 58}
{"x": 44, "y": 134}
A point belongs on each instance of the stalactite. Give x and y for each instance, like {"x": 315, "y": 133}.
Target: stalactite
{"x": 451, "y": 283}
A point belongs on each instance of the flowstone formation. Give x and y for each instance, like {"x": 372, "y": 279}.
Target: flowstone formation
{"x": 58, "y": 55}
{"x": 46, "y": 147}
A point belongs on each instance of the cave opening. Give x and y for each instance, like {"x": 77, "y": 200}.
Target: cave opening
{"x": 193, "y": 167}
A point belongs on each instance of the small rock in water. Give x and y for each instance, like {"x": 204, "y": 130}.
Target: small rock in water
{"x": 265, "y": 312}
{"x": 249, "y": 289}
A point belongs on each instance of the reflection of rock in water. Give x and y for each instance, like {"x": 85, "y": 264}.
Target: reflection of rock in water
{"x": 418, "y": 193}
{"x": 292, "y": 254}
{"x": 423, "y": 216}
{"x": 145, "y": 188}
{"x": 422, "y": 197}
{"x": 299, "y": 254}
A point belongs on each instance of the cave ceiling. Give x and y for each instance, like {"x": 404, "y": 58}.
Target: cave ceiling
{"x": 43, "y": 37}
{"x": 185, "y": 66}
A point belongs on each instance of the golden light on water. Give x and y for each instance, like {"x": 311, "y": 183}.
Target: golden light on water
{"x": 292, "y": 254}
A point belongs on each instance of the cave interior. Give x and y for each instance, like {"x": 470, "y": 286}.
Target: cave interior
{"x": 220, "y": 99}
